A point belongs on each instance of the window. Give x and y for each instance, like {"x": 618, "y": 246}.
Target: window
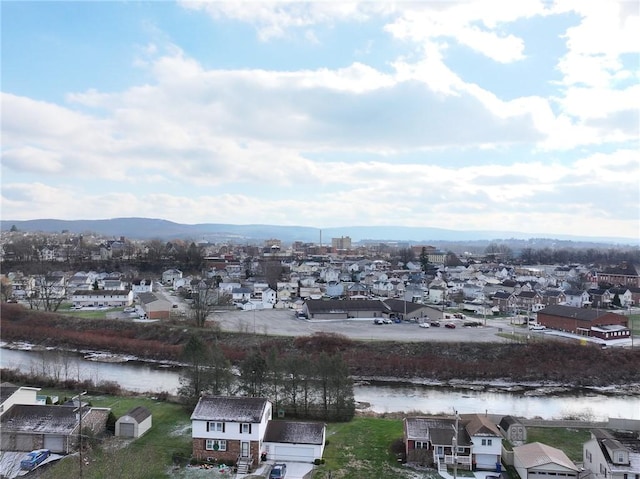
{"x": 489, "y": 442}
{"x": 245, "y": 428}
{"x": 422, "y": 445}
{"x": 213, "y": 426}
{"x": 216, "y": 445}
{"x": 484, "y": 442}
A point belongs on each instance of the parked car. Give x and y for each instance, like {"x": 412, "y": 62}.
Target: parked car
{"x": 34, "y": 459}
{"x": 458, "y": 315}
{"x": 377, "y": 321}
{"x": 435, "y": 324}
{"x": 278, "y": 471}
{"x": 450, "y": 326}
{"x": 387, "y": 321}
{"x": 424, "y": 325}
{"x": 537, "y": 327}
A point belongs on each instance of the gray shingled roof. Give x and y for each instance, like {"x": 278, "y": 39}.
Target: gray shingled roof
{"x": 40, "y": 419}
{"x": 582, "y": 314}
{"x": 294, "y": 432}
{"x": 233, "y": 409}
{"x": 139, "y": 413}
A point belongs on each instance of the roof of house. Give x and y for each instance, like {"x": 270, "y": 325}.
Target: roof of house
{"x": 40, "y": 418}
{"x": 438, "y": 430}
{"x": 138, "y": 413}
{"x": 479, "y": 425}
{"x": 147, "y": 298}
{"x": 6, "y": 391}
{"x": 101, "y": 292}
{"x": 228, "y": 408}
{"x": 582, "y": 314}
{"x": 508, "y": 421}
{"x": 337, "y": 305}
{"x": 399, "y": 306}
{"x": 537, "y": 454}
{"x": 295, "y": 432}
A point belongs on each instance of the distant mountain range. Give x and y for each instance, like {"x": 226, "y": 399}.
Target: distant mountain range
{"x": 148, "y": 228}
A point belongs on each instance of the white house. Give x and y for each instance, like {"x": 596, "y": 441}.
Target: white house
{"x": 10, "y": 395}
{"x": 102, "y": 298}
{"x": 170, "y": 275}
{"x": 230, "y": 429}
{"x": 141, "y": 285}
{"x": 612, "y": 454}
{"x": 241, "y": 429}
{"x": 486, "y": 439}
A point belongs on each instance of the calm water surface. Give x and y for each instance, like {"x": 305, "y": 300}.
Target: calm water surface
{"x": 386, "y": 397}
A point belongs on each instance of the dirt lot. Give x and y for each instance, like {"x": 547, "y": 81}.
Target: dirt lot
{"x": 284, "y": 323}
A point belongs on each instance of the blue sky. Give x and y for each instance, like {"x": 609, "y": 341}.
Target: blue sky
{"x": 478, "y": 115}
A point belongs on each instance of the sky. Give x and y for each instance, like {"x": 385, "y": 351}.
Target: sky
{"x": 473, "y": 115}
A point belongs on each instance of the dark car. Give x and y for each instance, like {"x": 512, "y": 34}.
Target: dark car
{"x": 34, "y": 458}
{"x": 278, "y": 471}
{"x": 450, "y": 326}
{"x": 435, "y": 324}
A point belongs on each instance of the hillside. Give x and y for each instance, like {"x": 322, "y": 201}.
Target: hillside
{"x": 150, "y": 228}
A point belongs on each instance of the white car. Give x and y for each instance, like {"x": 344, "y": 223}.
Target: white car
{"x": 424, "y": 325}
{"x": 536, "y": 327}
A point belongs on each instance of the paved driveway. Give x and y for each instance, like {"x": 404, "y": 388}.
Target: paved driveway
{"x": 284, "y": 323}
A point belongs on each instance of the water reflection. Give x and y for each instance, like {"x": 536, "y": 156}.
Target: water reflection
{"x": 389, "y": 397}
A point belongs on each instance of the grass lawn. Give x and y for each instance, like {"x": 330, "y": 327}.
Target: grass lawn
{"x": 568, "y": 439}
{"x": 361, "y": 449}
{"x": 148, "y": 457}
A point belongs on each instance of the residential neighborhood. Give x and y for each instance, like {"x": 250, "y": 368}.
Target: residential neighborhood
{"x": 242, "y": 435}
{"x": 372, "y": 285}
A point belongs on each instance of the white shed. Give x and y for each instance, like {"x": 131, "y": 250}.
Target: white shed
{"x": 135, "y": 423}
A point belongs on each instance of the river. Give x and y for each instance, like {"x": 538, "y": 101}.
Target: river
{"x": 380, "y": 396}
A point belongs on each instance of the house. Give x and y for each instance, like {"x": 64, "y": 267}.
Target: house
{"x": 505, "y": 301}
{"x": 553, "y": 296}
{"x": 240, "y": 430}
{"x": 623, "y": 275}
{"x": 513, "y": 430}
{"x": 577, "y": 298}
{"x": 230, "y": 429}
{"x": 134, "y": 423}
{"x": 294, "y": 441}
{"x": 486, "y": 439}
{"x": 102, "y": 298}
{"x": 612, "y": 454}
{"x": 26, "y": 427}
{"x": 536, "y": 460}
{"x": 621, "y": 297}
{"x": 141, "y": 285}
{"x": 154, "y": 306}
{"x": 10, "y": 395}
{"x": 430, "y": 441}
{"x": 171, "y": 275}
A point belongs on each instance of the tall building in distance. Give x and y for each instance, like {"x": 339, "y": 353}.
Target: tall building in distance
{"x": 342, "y": 243}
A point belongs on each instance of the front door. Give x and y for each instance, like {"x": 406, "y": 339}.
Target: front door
{"x": 244, "y": 449}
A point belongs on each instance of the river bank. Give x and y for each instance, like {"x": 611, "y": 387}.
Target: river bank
{"x": 543, "y": 364}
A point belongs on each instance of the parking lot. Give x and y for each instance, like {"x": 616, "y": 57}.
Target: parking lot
{"x": 284, "y": 323}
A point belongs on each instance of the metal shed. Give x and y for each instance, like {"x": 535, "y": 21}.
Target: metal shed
{"x": 134, "y": 423}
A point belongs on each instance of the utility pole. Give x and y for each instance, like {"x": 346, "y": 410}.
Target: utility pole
{"x": 454, "y": 446}
{"x": 79, "y": 409}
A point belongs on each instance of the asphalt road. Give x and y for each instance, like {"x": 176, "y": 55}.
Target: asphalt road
{"x": 284, "y": 323}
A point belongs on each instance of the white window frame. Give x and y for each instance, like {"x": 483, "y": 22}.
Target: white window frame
{"x": 245, "y": 428}
{"x": 421, "y": 445}
{"x": 210, "y": 444}
{"x": 214, "y": 426}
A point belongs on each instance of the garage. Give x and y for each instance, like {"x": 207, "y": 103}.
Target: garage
{"x": 486, "y": 461}
{"x": 294, "y": 441}
{"x": 293, "y": 453}
{"x": 25, "y": 442}
{"x": 54, "y": 443}
{"x": 127, "y": 430}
